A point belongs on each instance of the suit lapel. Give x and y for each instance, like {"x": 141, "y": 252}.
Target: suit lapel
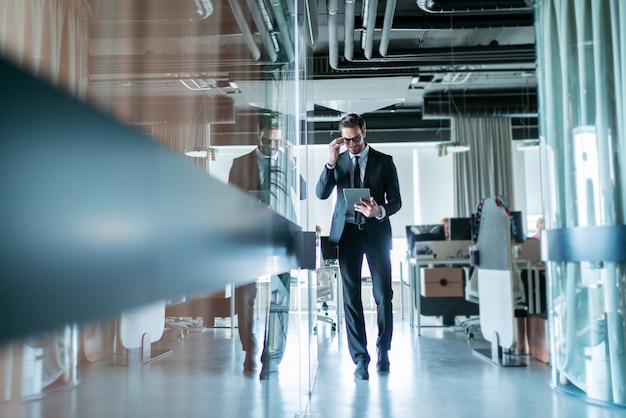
{"x": 345, "y": 165}
{"x": 253, "y": 164}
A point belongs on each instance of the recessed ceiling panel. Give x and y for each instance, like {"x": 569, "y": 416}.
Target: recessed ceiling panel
{"x": 359, "y": 95}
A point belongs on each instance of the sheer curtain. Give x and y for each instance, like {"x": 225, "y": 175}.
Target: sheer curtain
{"x": 49, "y": 38}
{"x": 485, "y": 170}
{"x": 181, "y": 137}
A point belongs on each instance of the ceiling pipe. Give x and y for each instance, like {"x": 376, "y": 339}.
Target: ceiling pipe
{"x": 433, "y": 7}
{"x": 245, "y": 29}
{"x": 283, "y": 26}
{"x": 372, "y": 12}
{"x": 263, "y": 32}
{"x": 312, "y": 25}
{"x": 390, "y": 10}
{"x": 438, "y": 57}
{"x": 333, "y": 39}
{"x": 348, "y": 27}
{"x": 475, "y": 55}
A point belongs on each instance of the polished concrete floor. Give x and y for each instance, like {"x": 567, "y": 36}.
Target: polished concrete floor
{"x": 432, "y": 375}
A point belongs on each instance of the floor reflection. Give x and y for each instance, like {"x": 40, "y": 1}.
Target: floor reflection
{"x": 433, "y": 375}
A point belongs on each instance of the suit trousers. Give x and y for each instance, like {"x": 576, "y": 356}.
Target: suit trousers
{"x": 277, "y": 324}
{"x": 244, "y": 307}
{"x": 354, "y": 243}
{"x": 277, "y": 320}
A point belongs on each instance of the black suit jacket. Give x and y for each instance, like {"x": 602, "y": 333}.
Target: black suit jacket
{"x": 381, "y": 177}
{"x": 244, "y": 173}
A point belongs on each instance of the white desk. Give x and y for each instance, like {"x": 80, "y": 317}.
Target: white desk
{"x": 414, "y": 267}
{"x": 415, "y": 281}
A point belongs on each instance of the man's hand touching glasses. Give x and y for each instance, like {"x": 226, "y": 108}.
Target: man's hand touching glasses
{"x": 335, "y": 146}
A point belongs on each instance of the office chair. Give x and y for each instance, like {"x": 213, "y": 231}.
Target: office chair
{"x": 327, "y": 280}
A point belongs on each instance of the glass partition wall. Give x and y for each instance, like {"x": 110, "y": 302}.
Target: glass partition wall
{"x": 582, "y": 93}
{"x": 214, "y": 83}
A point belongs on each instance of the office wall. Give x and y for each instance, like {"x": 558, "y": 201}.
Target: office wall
{"x": 432, "y": 194}
{"x": 532, "y": 173}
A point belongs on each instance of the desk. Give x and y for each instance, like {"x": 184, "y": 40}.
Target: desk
{"x": 415, "y": 281}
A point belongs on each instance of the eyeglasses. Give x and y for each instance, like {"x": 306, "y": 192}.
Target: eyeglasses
{"x": 271, "y": 140}
{"x": 356, "y": 139}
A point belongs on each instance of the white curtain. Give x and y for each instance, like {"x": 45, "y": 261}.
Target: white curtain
{"x": 486, "y": 170}
{"x": 181, "y": 137}
{"x": 48, "y": 38}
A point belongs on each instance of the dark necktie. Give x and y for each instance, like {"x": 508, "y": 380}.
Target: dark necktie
{"x": 357, "y": 173}
{"x": 358, "y": 217}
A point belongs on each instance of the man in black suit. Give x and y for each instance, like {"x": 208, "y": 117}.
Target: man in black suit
{"x": 363, "y": 229}
{"x": 269, "y": 171}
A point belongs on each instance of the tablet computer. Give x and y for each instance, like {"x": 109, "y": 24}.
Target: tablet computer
{"x": 353, "y": 195}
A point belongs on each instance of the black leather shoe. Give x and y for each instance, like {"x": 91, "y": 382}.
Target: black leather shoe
{"x": 361, "y": 372}
{"x": 383, "y": 361}
{"x": 267, "y": 374}
{"x": 269, "y": 369}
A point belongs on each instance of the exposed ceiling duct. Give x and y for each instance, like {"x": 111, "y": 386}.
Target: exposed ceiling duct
{"x": 390, "y": 10}
{"x": 488, "y": 103}
{"x": 245, "y": 29}
{"x": 495, "y": 54}
{"x": 215, "y": 40}
{"x": 358, "y": 48}
{"x": 264, "y": 33}
{"x": 464, "y": 7}
{"x": 283, "y": 30}
{"x": 348, "y": 25}
{"x": 371, "y": 10}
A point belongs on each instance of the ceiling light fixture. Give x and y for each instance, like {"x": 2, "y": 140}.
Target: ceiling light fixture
{"x": 458, "y": 147}
{"x": 443, "y": 148}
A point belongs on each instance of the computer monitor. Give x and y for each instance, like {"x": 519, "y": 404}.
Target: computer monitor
{"x": 431, "y": 232}
{"x": 461, "y": 229}
{"x": 425, "y": 229}
{"x": 328, "y": 252}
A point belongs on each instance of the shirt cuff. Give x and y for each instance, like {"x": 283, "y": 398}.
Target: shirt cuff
{"x": 330, "y": 167}
{"x": 383, "y": 214}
